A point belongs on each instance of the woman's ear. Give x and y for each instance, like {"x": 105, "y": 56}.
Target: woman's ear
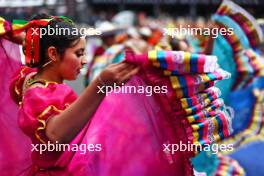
{"x": 53, "y": 54}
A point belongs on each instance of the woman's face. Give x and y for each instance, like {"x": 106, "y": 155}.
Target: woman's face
{"x": 73, "y": 60}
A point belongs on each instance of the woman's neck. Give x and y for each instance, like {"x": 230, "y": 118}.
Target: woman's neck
{"x": 49, "y": 75}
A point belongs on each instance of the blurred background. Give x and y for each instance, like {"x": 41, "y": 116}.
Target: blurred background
{"x": 139, "y": 24}
{"x": 89, "y": 11}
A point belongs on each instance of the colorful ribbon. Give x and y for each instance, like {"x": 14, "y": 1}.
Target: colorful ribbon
{"x": 32, "y": 40}
{"x": 246, "y": 21}
{"x": 190, "y": 79}
{"x": 180, "y": 62}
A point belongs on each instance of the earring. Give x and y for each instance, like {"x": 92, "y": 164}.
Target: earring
{"x": 46, "y": 64}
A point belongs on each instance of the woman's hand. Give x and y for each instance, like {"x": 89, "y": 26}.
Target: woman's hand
{"x": 117, "y": 73}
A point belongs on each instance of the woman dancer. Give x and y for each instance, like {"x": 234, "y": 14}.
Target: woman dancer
{"x": 131, "y": 129}
{"x": 49, "y": 109}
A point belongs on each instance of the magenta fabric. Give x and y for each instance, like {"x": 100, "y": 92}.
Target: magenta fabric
{"x": 48, "y": 102}
{"x": 131, "y": 129}
{"x": 14, "y": 144}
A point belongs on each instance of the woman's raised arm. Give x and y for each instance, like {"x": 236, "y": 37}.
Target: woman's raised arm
{"x": 66, "y": 125}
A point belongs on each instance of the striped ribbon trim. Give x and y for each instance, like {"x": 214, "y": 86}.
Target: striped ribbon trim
{"x": 244, "y": 19}
{"x": 254, "y": 131}
{"x": 179, "y": 62}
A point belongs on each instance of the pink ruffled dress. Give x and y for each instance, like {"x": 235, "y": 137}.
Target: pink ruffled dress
{"x": 131, "y": 128}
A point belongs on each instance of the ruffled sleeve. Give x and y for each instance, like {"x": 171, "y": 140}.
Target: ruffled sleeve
{"x": 16, "y": 85}
{"x": 41, "y": 103}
